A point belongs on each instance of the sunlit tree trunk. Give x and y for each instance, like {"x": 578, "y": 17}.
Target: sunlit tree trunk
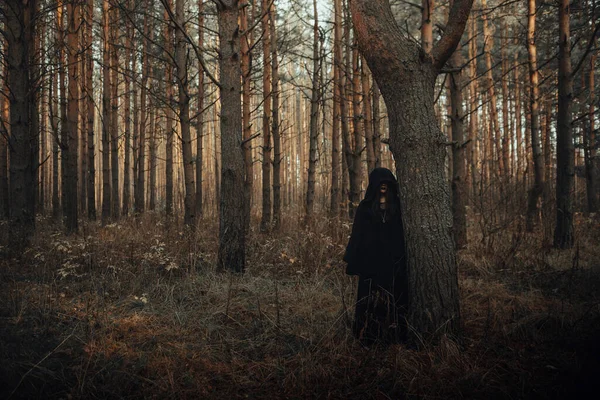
{"x": 376, "y": 125}
{"x": 565, "y": 152}
{"x": 106, "y": 116}
{"x": 518, "y": 117}
{"x": 538, "y": 187}
{"x": 114, "y": 114}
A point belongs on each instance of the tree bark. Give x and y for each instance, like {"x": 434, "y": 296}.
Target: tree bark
{"x": 277, "y": 157}
{"x": 314, "y": 118}
{"x": 114, "y": 117}
{"x": 184, "y": 117}
{"x": 564, "y": 235}
{"x": 106, "y": 116}
{"x": 591, "y": 159}
{"x": 335, "y": 134}
{"x": 247, "y": 80}
{"x": 129, "y": 31}
{"x": 72, "y": 144}
{"x": 200, "y": 118}
{"x": 538, "y": 187}
{"x": 406, "y": 80}
{"x": 232, "y": 232}
{"x": 4, "y": 134}
{"x": 140, "y": 192}
{"x": 169, "y": 119}
{"x": 266, "y": 162}
{"x": 91, "y": 111}
{"x": 18, "y": 18}
{"x": 459, "y": 200}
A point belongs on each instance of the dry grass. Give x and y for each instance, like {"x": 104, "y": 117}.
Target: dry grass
{"x": 136, "y": 310}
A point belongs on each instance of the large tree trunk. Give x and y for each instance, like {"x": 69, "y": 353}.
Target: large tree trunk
{"x": 314, "y": 118}
{"x": 232, "y": 230}
{"x": 184, "y": 117}
{"x": 406, "y": 81}
{"x": 72, "y": 144}
{"x": 539, "y": 185}
{"x": 106, "y": 117}
{"x": 19, "y": 17}
{"x": 367, "y": 112}
{"x": 266, "y": 161}
{"x": 565, "y": 151}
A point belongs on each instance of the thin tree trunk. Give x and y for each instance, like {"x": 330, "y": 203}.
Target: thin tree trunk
{"x": 564, "y": 235}
{"x": 168, "y": 32}
{"x": 72, "y": 145}
{"x": 140, "y": 192}
{"x": 518, "y": 117}
{"x": 127, "y": 112}
{"x": 459, "y": 201}
{"x": 4, "y": 133}
{"x": 247, "y": 80}
{"x": 591, "y": 159}
{"x": 376, "y": 125}
{"x": 153, "y": 160}
{"x": 184, "y": 117}
{"x": 314, "y": 118}
{"x": 367, "y": 113}
{"x": 200, "y": 118}
{"x": 267, "y": 87}
{"x": 232, "y": 232}
{"x": 275, "y": 123}
{"x": 106, "y": 116}
{"x": 506, "y": 139}
{"x": 473, "y": 109}
{"x": 114, "y": 116}
{"x": 335, "y": 135}
{"x": 538, "y": 187}
{"x": 491, "y": 90}
{"x": 53, "y": 98}
{"x": 357, "y": 132}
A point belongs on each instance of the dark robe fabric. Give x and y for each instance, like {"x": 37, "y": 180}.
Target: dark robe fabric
{"x": 376, "y": 253}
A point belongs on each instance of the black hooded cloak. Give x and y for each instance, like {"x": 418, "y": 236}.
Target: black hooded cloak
{"x": 376, "y": 253}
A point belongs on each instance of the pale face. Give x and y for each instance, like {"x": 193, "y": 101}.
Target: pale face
{"x": 383, "y": 188}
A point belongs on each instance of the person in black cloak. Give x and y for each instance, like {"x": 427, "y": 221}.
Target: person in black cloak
{"x": 375, "y": 253}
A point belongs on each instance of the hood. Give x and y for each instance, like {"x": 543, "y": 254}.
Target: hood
{"x": 376, "y": 178}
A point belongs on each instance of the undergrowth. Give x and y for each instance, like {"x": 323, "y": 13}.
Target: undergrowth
{"x": 135, "y": 309}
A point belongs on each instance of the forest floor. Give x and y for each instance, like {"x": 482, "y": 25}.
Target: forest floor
{"x": 136, "y": 310}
